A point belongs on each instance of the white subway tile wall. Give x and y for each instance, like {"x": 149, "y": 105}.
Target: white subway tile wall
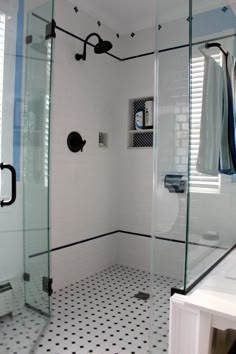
{"x": 102, "y": 190}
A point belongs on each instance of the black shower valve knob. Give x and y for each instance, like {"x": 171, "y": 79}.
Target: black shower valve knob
{"x": 75, "y": 142}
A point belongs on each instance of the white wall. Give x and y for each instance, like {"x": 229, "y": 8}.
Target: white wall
{"x": 134, "y": 251}
{"x": 83, "y": 185}
{"x": 136, "y": 183}
{"x": 77, "y": 262}
{"x": 100, "y": 190}
{"x": 136, "y": 164}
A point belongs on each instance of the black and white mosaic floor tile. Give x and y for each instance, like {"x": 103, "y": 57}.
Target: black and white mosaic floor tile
{"x": 19, "y": 333}
{"x": 100, "y": 315}
{"x": 96, "y": 315}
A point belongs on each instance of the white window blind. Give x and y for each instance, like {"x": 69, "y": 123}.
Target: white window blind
{"x": 2, "y": 47}
{"x": 199, "y": 182}
{"x": 47, "y": 114}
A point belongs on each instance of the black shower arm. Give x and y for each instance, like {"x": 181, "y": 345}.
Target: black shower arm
{"x": 86, "y": 42}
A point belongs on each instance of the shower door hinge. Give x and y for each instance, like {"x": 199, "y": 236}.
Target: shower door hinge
{"x": 190, "y": 18}
{"x": 28, "y": 39}
{"x": 47, "y": 285}
{"x": 51, "y": 30}
{"x": 26, "y": 277}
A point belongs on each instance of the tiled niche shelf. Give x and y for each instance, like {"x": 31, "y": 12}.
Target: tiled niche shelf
{"x": 103, "y": 140}
{"x": 138, "y": 138}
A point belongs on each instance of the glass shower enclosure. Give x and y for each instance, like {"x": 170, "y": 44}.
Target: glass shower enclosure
{"x": 211, "y": 192}
{"x": 194, "y": 203}
{"x": 194, "y": 193}
{"x": 26, "y": 48}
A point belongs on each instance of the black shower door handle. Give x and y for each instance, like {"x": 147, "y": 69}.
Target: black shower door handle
{"x": 4, "y": 166}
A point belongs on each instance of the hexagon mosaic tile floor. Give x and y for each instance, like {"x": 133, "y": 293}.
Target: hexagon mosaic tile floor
{"x": 100, "y": 315}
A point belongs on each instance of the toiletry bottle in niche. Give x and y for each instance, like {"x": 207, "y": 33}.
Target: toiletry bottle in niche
{"x": 139, "y": 119}
{"x": 148, "y": 120}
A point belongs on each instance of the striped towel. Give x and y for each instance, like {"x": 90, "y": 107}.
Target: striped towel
{"x": 228, "y": 139}
{"x": 217, "y": 150}
{"x": 213, "y": 109}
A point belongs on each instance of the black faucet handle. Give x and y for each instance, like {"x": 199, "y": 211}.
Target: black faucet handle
{"x": 83, "y": 145}
{"x": 75, "y": 142}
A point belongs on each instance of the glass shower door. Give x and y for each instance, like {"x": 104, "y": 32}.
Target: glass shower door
{"x": 36, "y": 156}
{"x": 11, "y": 225}
{"x": 170, "y": 163}
{"x": 25, "y": 86}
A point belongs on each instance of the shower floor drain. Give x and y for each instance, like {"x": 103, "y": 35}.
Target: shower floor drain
{"x": 142, "y": 296}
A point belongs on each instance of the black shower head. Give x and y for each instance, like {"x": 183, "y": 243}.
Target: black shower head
{"x": 103, "y": 47}
{"x": 100, "y": 48}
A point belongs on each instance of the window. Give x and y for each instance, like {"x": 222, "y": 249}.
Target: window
{"x": 47, "y": 115}
{"x": 199, "y": 182}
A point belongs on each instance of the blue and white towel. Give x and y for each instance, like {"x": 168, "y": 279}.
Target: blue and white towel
{"x": 213, "y": 109}
{"x": 228, "y": 141}
{"x": 217, "y": 151}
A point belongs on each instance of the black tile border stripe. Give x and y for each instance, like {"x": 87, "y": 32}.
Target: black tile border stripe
{"x": 173, "y": 290}
{"x": 173, "y": 240}
{"x": 84, "y": 241}
{"x": 134, "y": 233}
{"x": 73, "y": 244}
{"x": 127, "y": 233}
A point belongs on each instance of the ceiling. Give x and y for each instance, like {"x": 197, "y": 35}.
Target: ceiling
{"x": 127, "y": 16}
{"x": 123, "y": 16}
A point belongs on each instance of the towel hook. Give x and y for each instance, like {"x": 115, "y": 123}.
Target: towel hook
{"x": 217, "y": 45}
